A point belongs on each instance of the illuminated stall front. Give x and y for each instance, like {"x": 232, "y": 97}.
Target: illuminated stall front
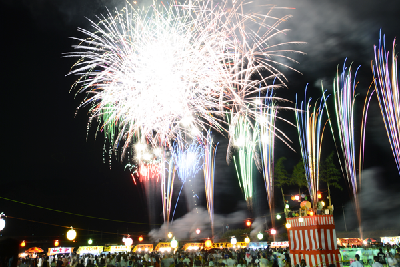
{"x": 96, "y": 250}
{"x": 59, "y": 250}
{"x": 143, "y": 248}
{"x": 193, "y": 246}
{"x": 113, "y": 249}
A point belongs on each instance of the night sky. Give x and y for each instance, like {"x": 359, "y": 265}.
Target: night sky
{"x": 50, "y": 161}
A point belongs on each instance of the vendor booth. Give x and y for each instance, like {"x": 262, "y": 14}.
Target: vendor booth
{"x": 95, "y": 250}
{"x": 257, "y": 245}
{"x": 391, "y": 240}
{"x": 143, "y": 248}
{"x": 59, "y": 250}
{"x": 349, "y": 242}
{"x": 193, "y": 246}
{"x": 113, "y": 249}
{"x": 283, "y": 245}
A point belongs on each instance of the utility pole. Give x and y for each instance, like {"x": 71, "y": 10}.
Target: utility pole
{"x": 344, "y": 218}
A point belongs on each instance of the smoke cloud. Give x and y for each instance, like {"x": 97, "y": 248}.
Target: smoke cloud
{"x": 185, "y": 227}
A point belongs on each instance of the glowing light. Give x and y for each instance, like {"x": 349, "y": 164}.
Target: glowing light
{"x": 310, "y": 129}
{"x": 71, "y": 234}
{"x": 319, "y": 195}
{"x": 301, "y": 219}
{"x": 344, "y": 89}
{"x": 323, "y": 204}
{"x": 90, "y": 241}
{"x": 286, "y": 206}
{"x": 266, "y": 131}
{"x": 247, "y": 240}
{"x": 23, "y": 243}
{"x": 140, "y": 238}
{"x": 174, "y": 243}
{"x": 296, "y": 197}
{"x": 127, "y": 241}
{"x": 260, "y": 235}
{"x": 278, "y": 216}
{"x": 288, "y": 225}
{"x": 169, "y": 235}
{"x": 198, "y": 231}
{"x": 208, "y": 243}
{"x": 210, "y": 152}
{"x": 196, "y": 53}
{"x": 241, "y": 132}
{"x": 233, "y": 240}
{"x": 273, "y": 231}
{"x": 248, "y": 223}
{"x": 311, "y": 213}
{"x": 2, "y": 221}
{"x": 388, "y": 94}
{"x": 56, "y": 243}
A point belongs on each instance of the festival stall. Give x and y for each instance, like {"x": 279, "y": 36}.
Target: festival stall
{"x": 193, "y": 246}
{"x": 163, "y": 247}
{"x": 284, "y": 244}
{"x": 59, "y": 250}
{"x": 349, "y": 242}
{"x": 391, "y": 240}
{"x": 257, "y": 245}
{"x": 143, "y": 248}
{"x": 95, "y": 250}
{"x": 313, "y": 238}
{"x": 113, "y": 249}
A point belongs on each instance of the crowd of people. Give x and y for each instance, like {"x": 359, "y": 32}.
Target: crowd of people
{"x": 223, "y": 257}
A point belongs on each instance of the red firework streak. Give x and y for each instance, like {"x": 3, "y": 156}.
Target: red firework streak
{"x": 313, "y": 240}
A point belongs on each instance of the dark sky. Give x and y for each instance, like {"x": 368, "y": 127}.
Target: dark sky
{"x": 49, "y": 162}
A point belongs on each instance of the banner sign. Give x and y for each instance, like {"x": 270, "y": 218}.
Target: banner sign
{"x": 53, "y": 251}
{"x": 118, "y": 249}
{"x": 90, "y": 249}
{"x": 279, "y": 244}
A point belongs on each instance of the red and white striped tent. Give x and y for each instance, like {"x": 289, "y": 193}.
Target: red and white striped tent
{"x": 313, "y": 240}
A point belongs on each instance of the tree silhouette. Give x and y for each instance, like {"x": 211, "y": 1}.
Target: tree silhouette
{"x": 330, "y": 174}
{"x": 299, "y": 176}
{"x": 281, "y": 177}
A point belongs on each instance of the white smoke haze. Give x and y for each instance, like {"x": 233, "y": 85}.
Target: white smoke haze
{"x": 380, "y": 205}
{"x": 257, "y": 226}
{"x": 185, "y": 227}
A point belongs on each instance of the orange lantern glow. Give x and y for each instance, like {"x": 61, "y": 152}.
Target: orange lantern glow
{"x": 23, "y": 243}
{"x": 56, "y": 243}
{"x": 140, "y": 238}
{"x": 319, "y": 195}
{"x": 208, "y": 243}
{"x": 311, "y": 213}
{"x": 248, "y": 223}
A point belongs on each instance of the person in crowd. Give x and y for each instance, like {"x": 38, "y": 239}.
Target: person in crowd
{"x": 381, "y": 256}
{"x": 357, "y": 262}
{"x": 376, "y": 262}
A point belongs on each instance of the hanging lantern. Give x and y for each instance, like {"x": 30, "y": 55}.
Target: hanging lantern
{"x": 278, "y": 216}
{"x": 233, "y": 240}
{"x": 23, "y": 243}
{"x": 248, "y": 223}
{"x": 140, "y": 238}
{"x": 56, "y": 243}
{"x": 260, "y": 235}
{"x": 169, "y": 235}
{"x": 247, "y": 240}
{"x": 174, "y": 243}
{"x": 127, "y": 241}
{"x": 319, "y": 195}
{"x": 208, "y": 243}
{"x": 90, "y": 241}
{"x": 273, "y": 231}
{"x": 288, "y": 225}
{"x": 198, "y": 231}
{"x": 71, "y": 234}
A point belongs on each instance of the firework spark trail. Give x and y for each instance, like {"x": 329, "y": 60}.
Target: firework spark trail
{"x": 162, "y": 70}
{"x": 310, "y": 128}
{"x": 188, "y": 160}
{"x": 266, "y": 141}
{"x": 210, "y": 152}
{"x": 245, "y": 142}
{"x": 388, "y": 94}
{"x": 167, "y": 187}
{"x": 344, "y": 95}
